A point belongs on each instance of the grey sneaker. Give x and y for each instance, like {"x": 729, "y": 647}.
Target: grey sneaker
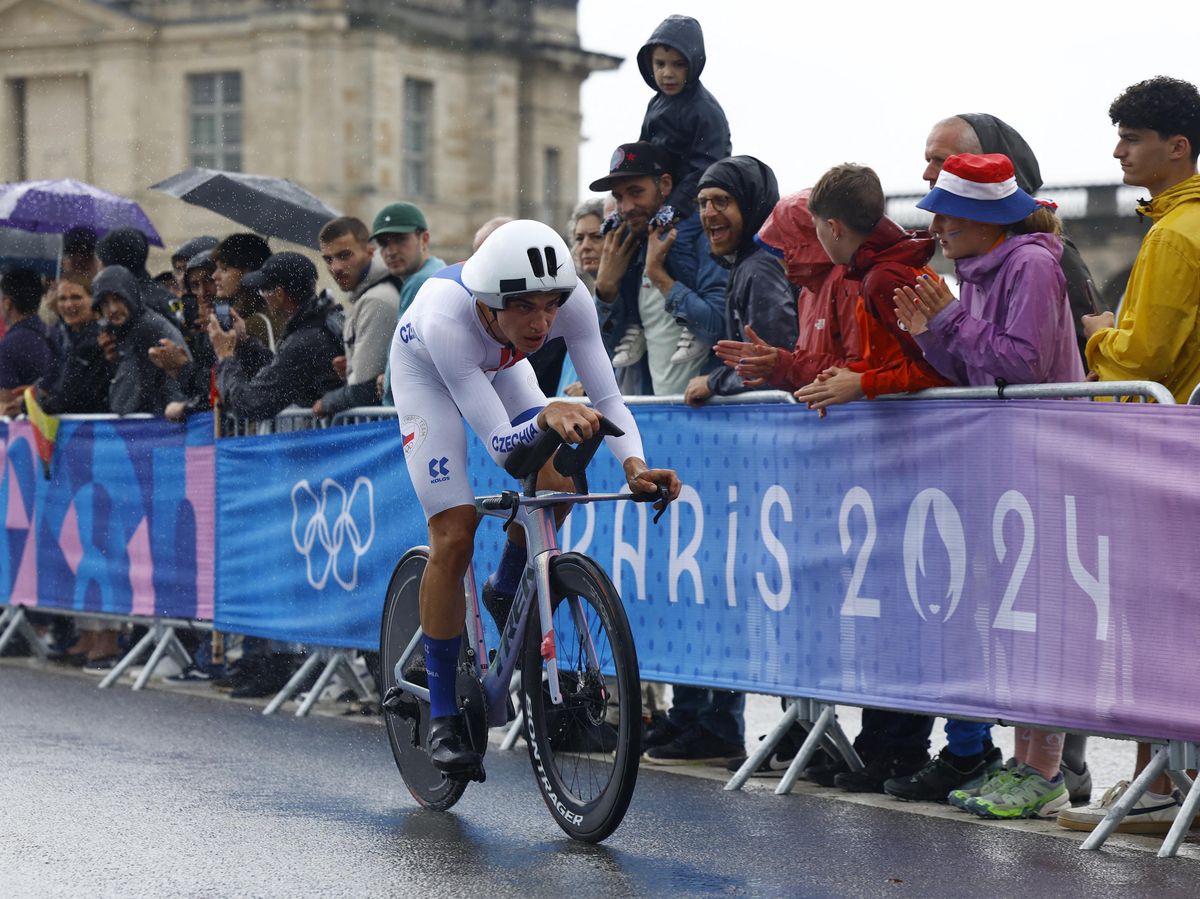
{"x": 988, "y": 782}
{"x": 631, "y": 348}
{"x": 1079, "y": 785}
{"x": 1027, "y": 794}
{"x": 689, "y": 347}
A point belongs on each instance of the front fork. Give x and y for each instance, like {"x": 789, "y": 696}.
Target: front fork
{"x": 549, "y": 652}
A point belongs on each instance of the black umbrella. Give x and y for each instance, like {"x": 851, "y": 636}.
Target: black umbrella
{"x": 275, "y": 207}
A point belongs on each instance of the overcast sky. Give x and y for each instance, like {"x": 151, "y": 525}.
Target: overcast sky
{"x": 806, "y": 86}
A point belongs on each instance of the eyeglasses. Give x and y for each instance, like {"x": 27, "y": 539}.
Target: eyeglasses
{"x": 720, "y": 204}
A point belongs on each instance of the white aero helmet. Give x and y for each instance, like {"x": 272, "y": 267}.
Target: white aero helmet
{"x": 519, "y": 257}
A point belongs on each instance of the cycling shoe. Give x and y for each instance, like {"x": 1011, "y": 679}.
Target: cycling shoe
{"x": 450, "y": 751}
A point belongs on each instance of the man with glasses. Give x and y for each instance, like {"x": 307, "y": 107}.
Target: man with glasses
{"x": 734, "y": 199}
{"x": 301, "y": 371}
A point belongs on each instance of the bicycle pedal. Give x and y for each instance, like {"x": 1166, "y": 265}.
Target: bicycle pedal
{"x": 468, "y": 774}
{"x": 393, "y": 701}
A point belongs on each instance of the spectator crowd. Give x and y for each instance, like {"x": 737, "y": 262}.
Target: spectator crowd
{"x": 707, "y": 283}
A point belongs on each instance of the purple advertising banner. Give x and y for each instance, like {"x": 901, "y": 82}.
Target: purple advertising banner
{"x": 1030, "y": 561}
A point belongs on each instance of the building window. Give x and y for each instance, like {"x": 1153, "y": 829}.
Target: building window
{"x": 552, "y": 186}
{"x": 18, "y": 128}
{"x": 215, "y": 110}
{"x": 418, "y": 138}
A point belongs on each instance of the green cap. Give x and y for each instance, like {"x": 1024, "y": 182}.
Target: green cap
{"x": 399, "y": 218}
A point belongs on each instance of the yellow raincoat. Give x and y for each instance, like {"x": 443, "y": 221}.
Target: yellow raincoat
{"x": 1157, "y": 337}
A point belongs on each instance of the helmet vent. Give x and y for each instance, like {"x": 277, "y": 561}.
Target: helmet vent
{"x": 551, "y": 262}
{"x": 536, "y": 262}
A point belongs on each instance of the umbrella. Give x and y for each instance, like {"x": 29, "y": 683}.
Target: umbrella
{"x": 275, "y": 207}
{"x": 39, "y": 252}
{"x": 55, "y": 207}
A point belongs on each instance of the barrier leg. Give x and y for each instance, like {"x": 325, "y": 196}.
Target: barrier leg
{"x": 844, "y": 747}
{"x": 322, "y": 680}
{"x": 1136, "y": 789}
{"x": 1183, "y": 756}
{"x": 293, "y": 684}
{"x": 167, "y": 644}
{"x": 1181, "y": 825}
{"x": 130, "y": 658}
{"x": 1181, "y": 780}
{"x": 514, "y": 729}
{"x": 19, "y": 623}
{"x": 811, "y": 742}
{"x": 357, "y": 684}
{"x": 765, "y": 747}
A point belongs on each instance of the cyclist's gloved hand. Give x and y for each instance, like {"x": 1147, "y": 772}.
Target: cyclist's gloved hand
{"x": 648, "y": 480}
{"x": 573, "y": 422}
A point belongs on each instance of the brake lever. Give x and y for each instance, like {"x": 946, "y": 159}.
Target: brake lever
{"x": 660, "y": 494}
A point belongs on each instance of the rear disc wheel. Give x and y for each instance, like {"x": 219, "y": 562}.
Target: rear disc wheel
{"x": 408, "y": 724}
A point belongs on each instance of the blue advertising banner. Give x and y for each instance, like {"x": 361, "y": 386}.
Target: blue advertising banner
{"x": 310, "y": 526}
{"x": 124, "y": 524}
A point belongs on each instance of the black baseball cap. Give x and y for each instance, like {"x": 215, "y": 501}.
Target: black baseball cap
{"x": 294, "y": 272}
{"x": 634, "y": 160}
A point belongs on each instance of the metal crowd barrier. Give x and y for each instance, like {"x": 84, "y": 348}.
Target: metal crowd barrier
{"x": 817, "y": 718}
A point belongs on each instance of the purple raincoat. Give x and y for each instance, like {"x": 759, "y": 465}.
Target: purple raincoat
{"x": 1011, "y": 321}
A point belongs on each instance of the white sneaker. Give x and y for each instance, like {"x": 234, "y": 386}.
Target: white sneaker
{"x": 1152, "y": 813}
{"x": 631, "y": 348}
{"x": 689, "y": 347}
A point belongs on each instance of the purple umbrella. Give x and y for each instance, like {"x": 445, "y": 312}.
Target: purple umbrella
{"x": 55, "y": 207}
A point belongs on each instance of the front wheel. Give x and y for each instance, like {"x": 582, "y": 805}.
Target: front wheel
{"x": 408, "y": 724}
{"x": 585, "y": 752}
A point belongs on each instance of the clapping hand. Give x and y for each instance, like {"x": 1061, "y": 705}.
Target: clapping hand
{"x": 832, "y": 387}
{"x": 916, "y": 306}
{"x": 753, "y": 361}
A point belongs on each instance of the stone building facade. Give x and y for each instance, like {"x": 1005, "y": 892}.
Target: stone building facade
{"x": 469, "y": 108}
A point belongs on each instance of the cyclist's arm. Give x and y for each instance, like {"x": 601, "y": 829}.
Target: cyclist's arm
{"x": 578, "y": 325}
{"x": 457, "y": 354}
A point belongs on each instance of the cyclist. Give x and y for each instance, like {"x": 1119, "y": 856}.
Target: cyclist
{"x": 460, "y": 352}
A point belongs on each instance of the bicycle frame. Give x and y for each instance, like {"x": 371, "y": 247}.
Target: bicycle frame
{"x": 535, "y": 516}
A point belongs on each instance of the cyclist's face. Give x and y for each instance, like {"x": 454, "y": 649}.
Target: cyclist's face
{"x": 526, "y": 320}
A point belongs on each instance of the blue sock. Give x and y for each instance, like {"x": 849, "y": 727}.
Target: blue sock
{"x": 508, "y": 573}
{"x": 441, "y": 663}
{"x": 965, "y": 738}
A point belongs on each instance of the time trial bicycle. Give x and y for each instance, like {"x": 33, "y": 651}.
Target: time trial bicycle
{"x": 580, "y": 691}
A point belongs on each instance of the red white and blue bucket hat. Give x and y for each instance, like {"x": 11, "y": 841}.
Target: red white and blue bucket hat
{"x": 979, "y": 188}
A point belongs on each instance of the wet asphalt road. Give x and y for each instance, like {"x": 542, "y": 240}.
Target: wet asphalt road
{"x": 114, "y": 793}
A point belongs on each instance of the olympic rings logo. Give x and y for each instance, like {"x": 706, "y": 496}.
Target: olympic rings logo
{"x": 321, "y": 540}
